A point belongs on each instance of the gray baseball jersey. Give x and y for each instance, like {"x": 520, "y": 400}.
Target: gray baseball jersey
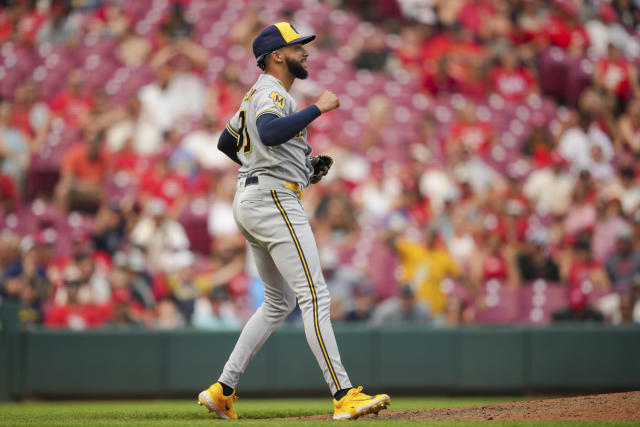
{"x": 288, "y": 161}
{"x": 271, "y": 218}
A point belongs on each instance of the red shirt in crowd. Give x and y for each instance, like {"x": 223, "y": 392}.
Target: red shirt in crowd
{"x": 8, "y": 190}
{"x": 29, "y": 25}
{"x": 81, "y": 316}
{"x": 77, "y": 163}
{"x": 6, "y": 27}
{"x": 494, "y": 267}
{"x": 616, "y": 75}
{"x": 473, "y": 15}
{"x": 580, "y": 272}
{"x": 72, "y": 107}
{"x": 560, "y": 33}
{"x": 512, "y": 85}
{"x": 475, "y": 136}
{"x": 130, "y": 161}
{"x": 168, "y": 186}
{"x": 20, "y": 119}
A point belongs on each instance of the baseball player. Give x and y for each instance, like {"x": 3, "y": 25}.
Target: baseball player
{"x": 268, "y": 138}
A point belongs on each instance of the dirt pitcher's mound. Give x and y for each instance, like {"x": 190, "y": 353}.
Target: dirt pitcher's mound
{"x": 601, "y": 407}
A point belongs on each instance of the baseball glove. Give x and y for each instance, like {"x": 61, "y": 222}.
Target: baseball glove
{"x": 321, "y": 165}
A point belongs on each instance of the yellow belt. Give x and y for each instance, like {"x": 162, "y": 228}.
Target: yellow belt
{"x": 295, "y": 187}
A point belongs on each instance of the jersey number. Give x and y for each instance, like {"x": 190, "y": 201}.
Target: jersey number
{"x": 243, "y": 134}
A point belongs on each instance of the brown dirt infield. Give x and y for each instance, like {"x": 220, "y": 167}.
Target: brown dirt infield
{"x": 600, "y": 407}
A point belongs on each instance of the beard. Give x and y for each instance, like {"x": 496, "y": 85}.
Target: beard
{"x": 296, "y": 68}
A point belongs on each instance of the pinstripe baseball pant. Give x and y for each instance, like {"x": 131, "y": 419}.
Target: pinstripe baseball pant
{"x": 276, "y": 227}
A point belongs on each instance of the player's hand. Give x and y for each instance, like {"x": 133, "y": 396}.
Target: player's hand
{"x": 328, "y": 101}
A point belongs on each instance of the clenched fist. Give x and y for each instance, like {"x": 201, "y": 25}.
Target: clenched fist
{"x": 328, "y": 101}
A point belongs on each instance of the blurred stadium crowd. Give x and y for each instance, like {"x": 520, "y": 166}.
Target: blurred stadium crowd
{"x": 486, "y": 160}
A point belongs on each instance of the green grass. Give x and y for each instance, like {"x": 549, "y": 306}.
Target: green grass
{"x": 252, "y": 411}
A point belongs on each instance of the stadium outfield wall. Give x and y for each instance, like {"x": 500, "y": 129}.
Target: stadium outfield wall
{"x": 137, "y": 363}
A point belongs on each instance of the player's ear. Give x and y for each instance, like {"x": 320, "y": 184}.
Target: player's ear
{"x": 277, "y": 56}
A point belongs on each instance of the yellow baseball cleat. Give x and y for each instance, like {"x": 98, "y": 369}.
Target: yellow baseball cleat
{"x": 355, "y": 403}
{"x": 214, "y": 400}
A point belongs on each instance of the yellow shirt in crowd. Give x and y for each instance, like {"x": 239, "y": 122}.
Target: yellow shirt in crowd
{"x": 425, "y": 269}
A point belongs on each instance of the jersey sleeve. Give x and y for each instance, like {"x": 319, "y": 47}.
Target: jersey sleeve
{"x": 270, "y": 101}
{"x": 234, "y": 125}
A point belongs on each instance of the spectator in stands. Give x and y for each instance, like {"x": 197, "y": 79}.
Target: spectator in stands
{"x": 109, "y": 229}
{"x": 607, "y": 28}
{"x": 122, "y": 295}
{"x": 201, "y": 144}
{"x": 470, "y": 133}
{"x": 625, "y": 188}
{"x": 494, "y": 261}
{"x": 14, "y": 150}
{"x": 529, "y": 28}
{"x": 510, "y": 79}
{"x": 487, "y": 20}
{"x": 215, "y": 312}
{"x": 618, "y": 77}
{"x": 30, "y": 114}
{"x": 563, "y": 29}
{"x": 85, "y": 300}
{"x": 133, "y": 49}
{"x": 364, "y": 302}
{"x": 162, "y": 237}
{"x": 629, "y": 127}
{"x": 62, "y": 27}
{"x": 459, "y": 312}
{"x": 178, "y": 91}
{"x": 9, "y": 194}
{"x": 82, "y": 172}
{"x": 244, "y": 30}
{"x": 374, "y": 54}
{"x": 581, "y": 214}
{"x": 576, "y": 142}
{"x": 108, "y": 20}
{"x": 549, "y": 188}
{"x": 402, "y": 309}
{"x": 623, "y": 265}
{"x": 538, "y": 147}
{"x": 460, "y": 243}
{"x": 580, "y": 270}
{"x": 410, "y": 52}
{"x": 74, "y": 102}
{"x": 578, "y": 310}
{"x": 176, "y": 26}
{"x": 181, "y": 282}
{"x": 226, "y": 238}
{"x": 25, "y": 280}
{"x": 534, "y": 259}
{"x": 74, "y": 314}
{"x": 628, "y": 12}
{"x": 425, "y": 265}
{"x": 335, "y": 220}
{"x": 470, "y": 168}
{"x": 161, "y": 181}
{"x": 167, "y": 315}
{"x": 609, "y": 223}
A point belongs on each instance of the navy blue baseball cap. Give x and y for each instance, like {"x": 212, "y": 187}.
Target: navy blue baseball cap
{"x": 276, "y": 36}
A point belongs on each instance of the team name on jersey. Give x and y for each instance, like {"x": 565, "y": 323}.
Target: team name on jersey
{"x": 249, "y": 95}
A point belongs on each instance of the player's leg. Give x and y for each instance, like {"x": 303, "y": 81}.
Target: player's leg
{"x": 279, "y": 302}
{"x": 296, "y": 255}
{"x": 297, "y": 258}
